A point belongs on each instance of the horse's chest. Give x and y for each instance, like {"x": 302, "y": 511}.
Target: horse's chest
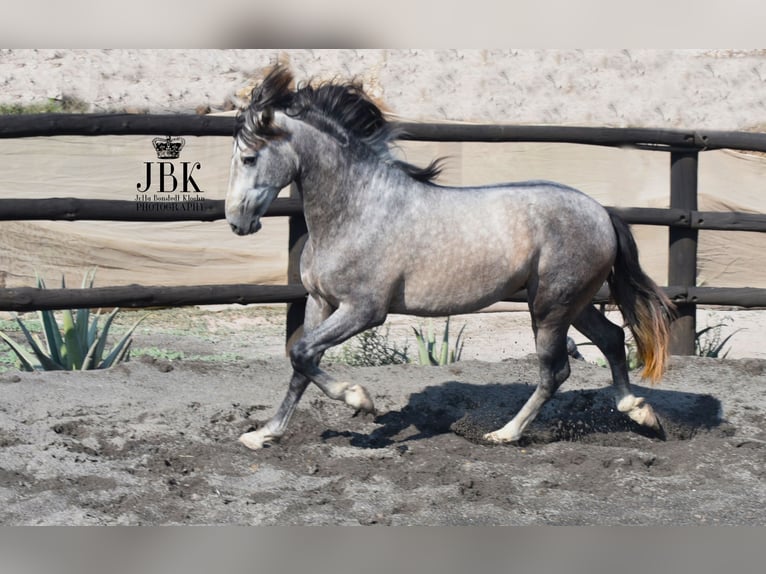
{"x": 325, "y": 272}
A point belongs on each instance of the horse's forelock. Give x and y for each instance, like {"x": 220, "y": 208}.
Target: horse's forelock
{"x": 250, "y": 130}
{"x": 256, "y": 122}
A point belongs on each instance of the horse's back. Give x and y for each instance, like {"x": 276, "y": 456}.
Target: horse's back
{"x": 544, "y": 215}
{"x": 474, "y": 246}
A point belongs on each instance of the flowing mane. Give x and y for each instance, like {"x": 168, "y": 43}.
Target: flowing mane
{"x": 342, "y": 110}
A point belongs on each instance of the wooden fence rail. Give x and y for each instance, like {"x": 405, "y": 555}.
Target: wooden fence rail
{"x": 73, "y": 209}
{"x": 682, "y": 217}
{"x": 22, "y": 299}
{"x": 181, "y": 124}
{"x": 140, "y": 296}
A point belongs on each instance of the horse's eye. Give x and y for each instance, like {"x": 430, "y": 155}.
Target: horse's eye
{"x": 248, "y": 160}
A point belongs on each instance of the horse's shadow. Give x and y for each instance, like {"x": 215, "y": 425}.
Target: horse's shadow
{"x": 471, "y": 410}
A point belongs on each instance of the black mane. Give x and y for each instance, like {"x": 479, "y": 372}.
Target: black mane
{"x": 342, "y": 110}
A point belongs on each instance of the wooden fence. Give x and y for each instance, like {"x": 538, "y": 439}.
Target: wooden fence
{"x": 682, "y": 217}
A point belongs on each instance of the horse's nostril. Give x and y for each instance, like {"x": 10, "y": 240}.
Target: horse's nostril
{"x": 233, "y": 227}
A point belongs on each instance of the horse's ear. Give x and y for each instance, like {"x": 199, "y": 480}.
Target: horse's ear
{"x": 264, "y": 124}
{"x": 267, "y": 116}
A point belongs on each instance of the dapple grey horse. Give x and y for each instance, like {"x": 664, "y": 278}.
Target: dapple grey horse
{"x": 384, "y": 238}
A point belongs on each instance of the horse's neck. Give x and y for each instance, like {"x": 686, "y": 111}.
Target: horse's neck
{"x": 334, "y": 186}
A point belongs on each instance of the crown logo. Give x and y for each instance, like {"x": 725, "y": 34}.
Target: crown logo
{"x": 168, "y": 147}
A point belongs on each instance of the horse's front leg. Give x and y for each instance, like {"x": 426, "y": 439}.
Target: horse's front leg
{"x": 323, "y": 329}
{"x": 347, "y": 321}
{"x": 275, "y": 427}
{"x": 316, "y": 312}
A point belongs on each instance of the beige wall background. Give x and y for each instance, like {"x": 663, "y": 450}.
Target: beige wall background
{"x": 649, "y": 88}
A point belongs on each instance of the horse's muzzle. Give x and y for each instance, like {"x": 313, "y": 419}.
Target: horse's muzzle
{"x": 252, "y": 227}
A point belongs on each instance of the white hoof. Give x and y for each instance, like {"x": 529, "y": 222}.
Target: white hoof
{"x": 257, "y": 439}
{"x": 639, "y": 411}
{"x": 359, "y": 399}
{"x": 645, "y": 416}
{"x": 499, "y": 437}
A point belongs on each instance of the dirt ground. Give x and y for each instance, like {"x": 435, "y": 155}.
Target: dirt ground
{"x": 153, "y": 441}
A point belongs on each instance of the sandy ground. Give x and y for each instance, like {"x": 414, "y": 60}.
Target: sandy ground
{"x": 153, "y": 441}
{"x": 711, "y": 89}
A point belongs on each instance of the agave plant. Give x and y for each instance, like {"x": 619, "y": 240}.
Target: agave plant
{"x": 428, "y": 354}
{"x": 708, "y": 342}
{"x": 75, "y": 344}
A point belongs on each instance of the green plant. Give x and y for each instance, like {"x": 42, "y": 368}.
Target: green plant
{"x": 372, "y": 348}
{"x": 632, "y": 360}
{"x": 631, "y": 355}
{"x": 155, "y": 353}
{"x": 75, "y": 344}
{"x": 428, "y": 354}
{"x": 708, "y": 342}
{"x": 165, "y": 355}
{"x": 65, "y": 104}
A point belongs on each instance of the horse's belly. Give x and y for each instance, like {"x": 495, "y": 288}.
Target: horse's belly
{"x": 449, "y": 290}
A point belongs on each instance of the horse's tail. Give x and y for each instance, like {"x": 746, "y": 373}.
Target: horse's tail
{"x": 645, "y": 307}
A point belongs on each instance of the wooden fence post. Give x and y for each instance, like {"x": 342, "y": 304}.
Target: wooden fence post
{"x": 682, "y": 260}
{"x": 298, "y": 233}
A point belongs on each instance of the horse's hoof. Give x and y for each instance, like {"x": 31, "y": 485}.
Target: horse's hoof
{"x": 645, "y": 416}
{"x": 258, "y": 439}
{"x": 640, "y": 411}
{"x": 497, "y": 437}
{"x": 359, "y": 399}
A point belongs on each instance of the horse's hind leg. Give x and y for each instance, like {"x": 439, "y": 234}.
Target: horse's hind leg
{"x": 551, "y": 343}
{"x": 610, "y": 339}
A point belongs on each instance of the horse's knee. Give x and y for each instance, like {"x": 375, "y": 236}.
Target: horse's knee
{"x": 300, "y": 357}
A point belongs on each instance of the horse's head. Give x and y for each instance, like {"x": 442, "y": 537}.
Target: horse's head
{"x": 263, "y": 160}
{"x": 258, "y": 173}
